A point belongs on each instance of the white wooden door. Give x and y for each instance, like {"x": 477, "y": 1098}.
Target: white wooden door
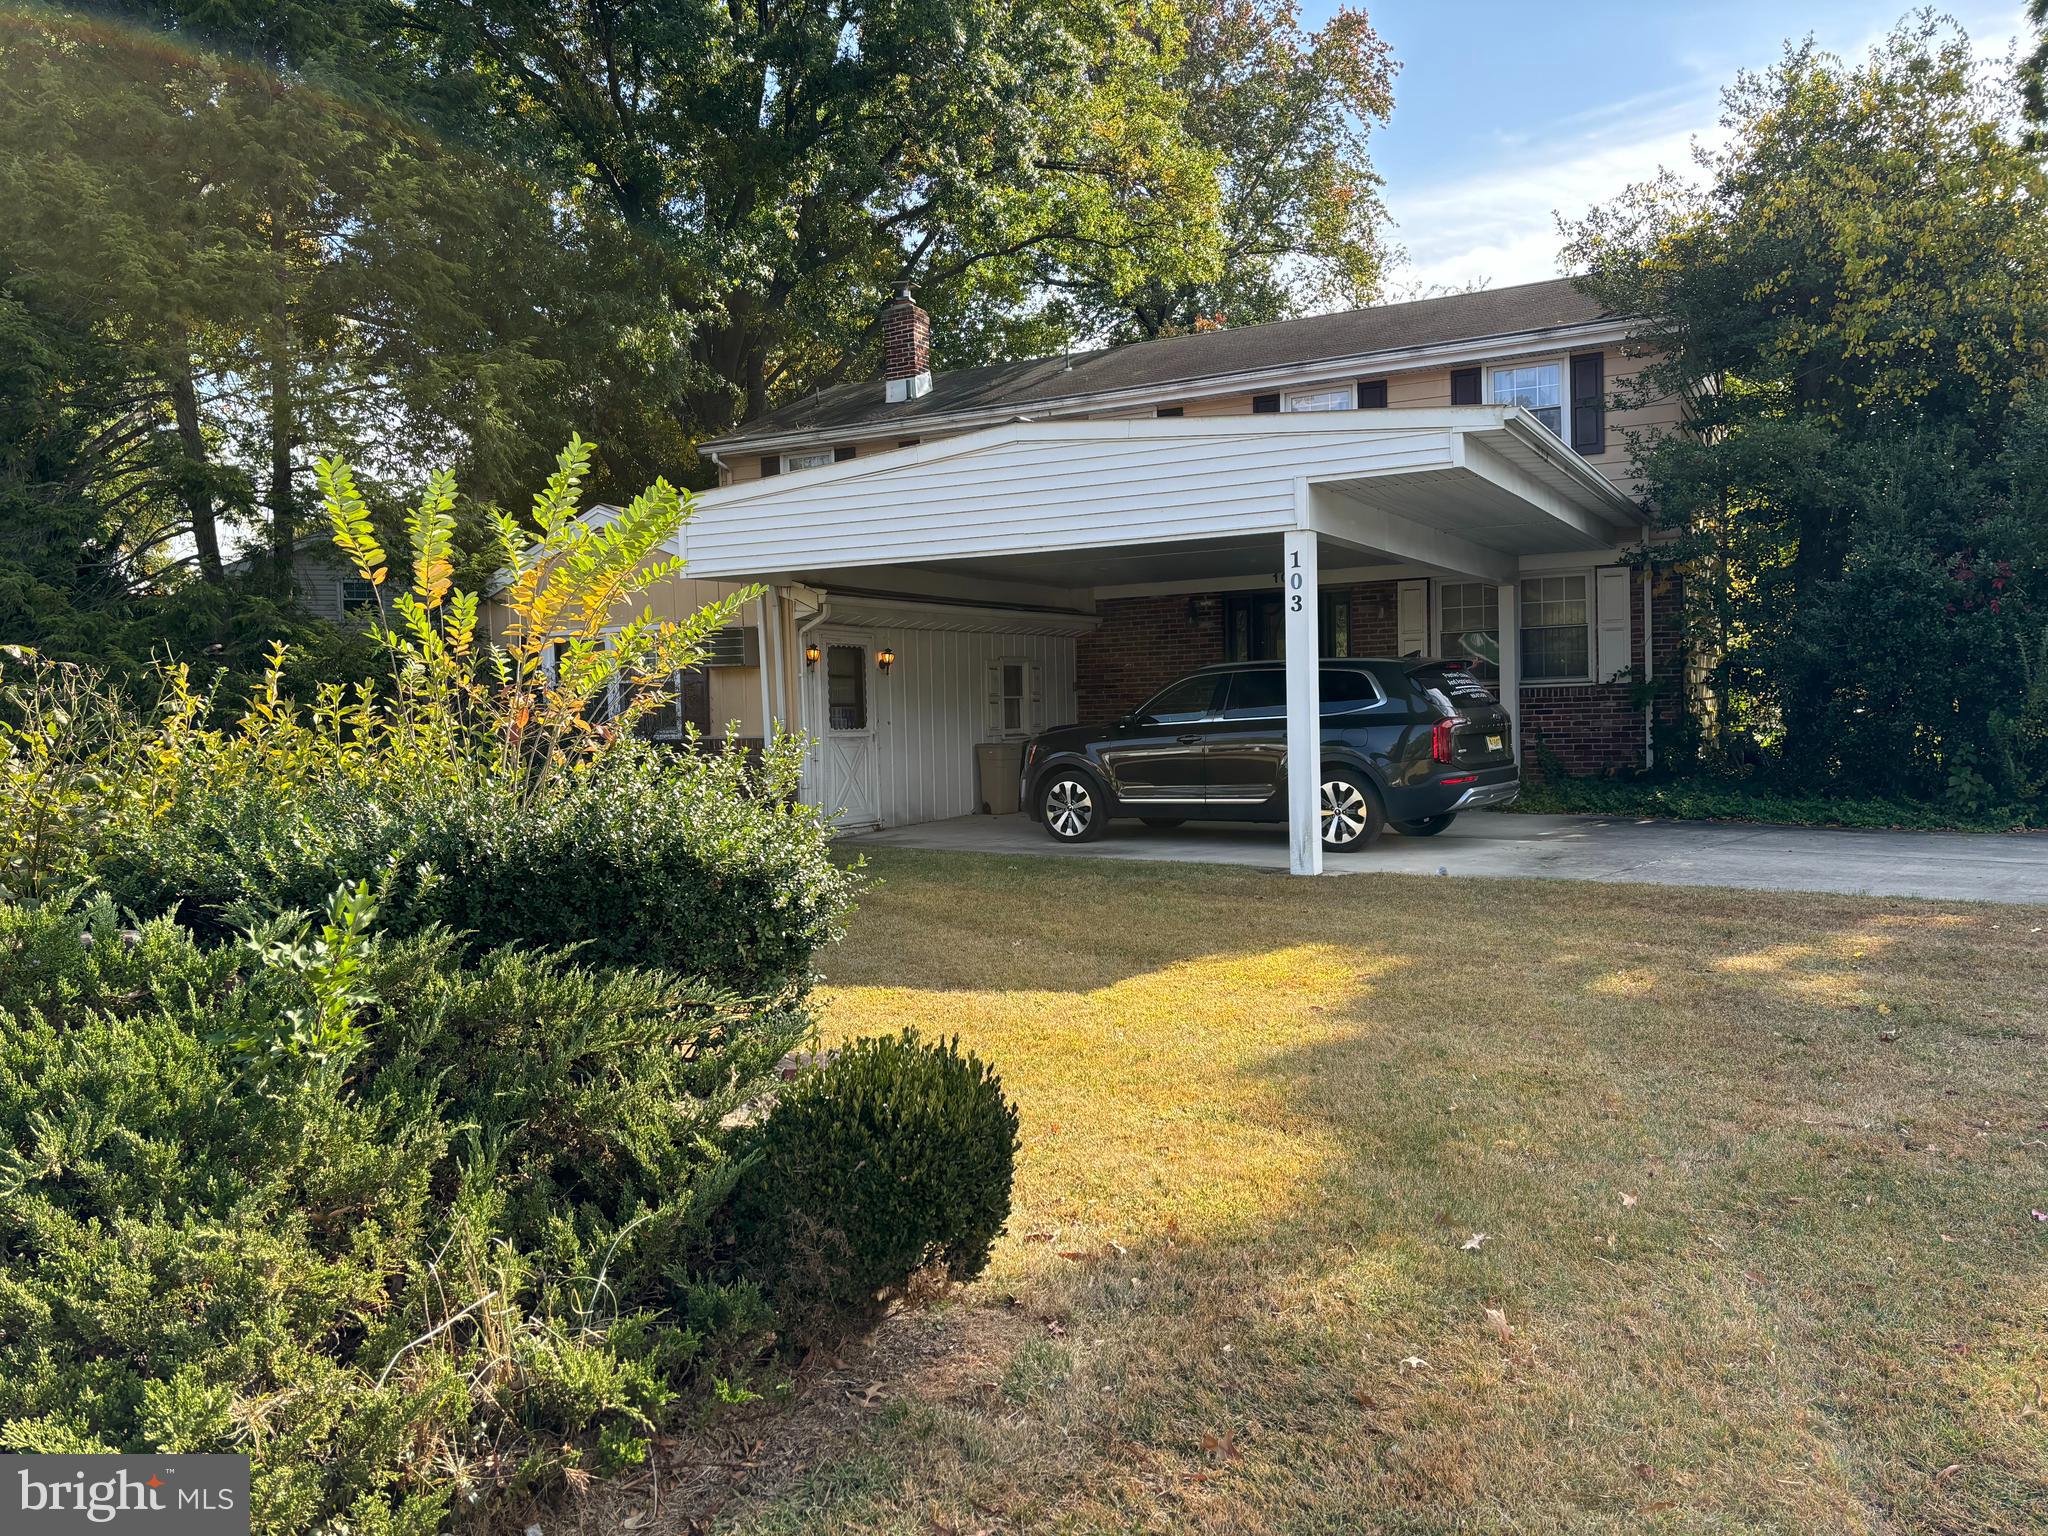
{"x": 849, "y": 768}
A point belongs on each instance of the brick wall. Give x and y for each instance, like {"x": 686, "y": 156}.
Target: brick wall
{"x": 1144, "y": 643}
{"x": 1375, "y": 618}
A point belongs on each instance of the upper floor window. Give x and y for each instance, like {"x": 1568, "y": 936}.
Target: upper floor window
{"x": 810, "y": 458}
{"x": 357, "y": 593}
{"x": 1342, "y": 399}
{"x": 1537, "y": 387}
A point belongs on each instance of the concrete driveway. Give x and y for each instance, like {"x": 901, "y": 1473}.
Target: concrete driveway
{"x": 1946, "y": 866}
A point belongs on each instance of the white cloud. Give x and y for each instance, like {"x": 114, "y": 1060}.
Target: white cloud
{"x": 1498, "y": 224}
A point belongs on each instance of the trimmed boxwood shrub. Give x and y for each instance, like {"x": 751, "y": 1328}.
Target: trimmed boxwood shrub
{"x": 895, "y": 1155}
{"x": 700, "y": 863}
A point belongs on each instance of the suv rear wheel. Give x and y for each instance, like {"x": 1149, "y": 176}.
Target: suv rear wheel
{"x": 1352, "y": 815}
{"x": 1071, "y": 807}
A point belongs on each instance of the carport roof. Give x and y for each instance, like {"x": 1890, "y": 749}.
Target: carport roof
{"x": 1465, "y": 489}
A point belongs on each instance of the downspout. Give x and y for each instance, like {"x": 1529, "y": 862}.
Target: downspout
{"x": 1649, "y": 671}
{"x": 771, "y": 655}
{"x": 761, "y": 664}
{"x": 803, "y": 635}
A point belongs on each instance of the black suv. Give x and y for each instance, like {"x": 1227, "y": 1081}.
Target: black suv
{"x": 1411, "y": 742}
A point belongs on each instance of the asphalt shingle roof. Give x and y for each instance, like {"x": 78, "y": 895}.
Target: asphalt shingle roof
{"x": 1187, "y": 359}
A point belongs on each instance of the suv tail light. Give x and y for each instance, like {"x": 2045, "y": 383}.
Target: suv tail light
{"x": 1440, "y": 740}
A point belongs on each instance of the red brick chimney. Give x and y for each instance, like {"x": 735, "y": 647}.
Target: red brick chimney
{"x": 906, "y": 348}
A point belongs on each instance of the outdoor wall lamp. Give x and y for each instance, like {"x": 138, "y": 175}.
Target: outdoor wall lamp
{"x": 811, "y": 654}
{"x": 885, "y": 658}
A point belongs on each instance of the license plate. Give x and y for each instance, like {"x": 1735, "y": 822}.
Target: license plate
{"x": 1493, "y": 743}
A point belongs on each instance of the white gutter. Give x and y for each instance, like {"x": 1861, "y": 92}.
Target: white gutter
{"x": 761, "y": 661}
{"x": 1203, "y": 386}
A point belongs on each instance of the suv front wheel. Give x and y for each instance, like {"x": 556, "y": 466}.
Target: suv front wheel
{"x": 1352, "y": 815}
{"x": 1071, "y": 807}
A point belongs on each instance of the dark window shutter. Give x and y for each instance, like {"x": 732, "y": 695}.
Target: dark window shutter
{"x": 1172, "y": 410}
{"x": 1372, "y": 394}
{"x": 771, "y": 464}
{"x": 842, "y": 453}
{"x": 1589, "y": 402}
{"x": 1265, "y": 405}
{"x": 693, "y": 706}
{"x": 908, "y": 442}
{"x": 1464, "y": 386}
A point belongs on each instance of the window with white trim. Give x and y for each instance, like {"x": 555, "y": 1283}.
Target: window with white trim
{"x": 356, "y": 594}
{"x": 810, "y": 458}
{"x": 1557, "y": 629}
{"x": 1468, "y": 626}
{"x": 1014, "y": 693}
{"x": 1343, "y": 398}
{"x": 1537, "y": 387}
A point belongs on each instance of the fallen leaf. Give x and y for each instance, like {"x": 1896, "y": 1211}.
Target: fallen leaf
{"x": 1414, "y": 1363}
{"x": 1077, "y": 1255}
{"x": 1948, "y": 1472}
{"x": 1039, "y": 1237}
{"x": 1220, "y": 1449}
{"x": 1499, "y": 1319}
{"x": 1473, "y": 1243}
{"x": 1627, "y": 1200}
{"x": 1364, "y": 1399}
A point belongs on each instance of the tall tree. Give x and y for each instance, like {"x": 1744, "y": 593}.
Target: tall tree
{"x": 2034, "y": 75}
{"x": 1286, "y": 113}
{"x": 1854, "y": 298}
{"x": 787, "y": 166}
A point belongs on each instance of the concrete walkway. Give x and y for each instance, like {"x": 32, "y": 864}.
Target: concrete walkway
{"x": 1945, "y": 866}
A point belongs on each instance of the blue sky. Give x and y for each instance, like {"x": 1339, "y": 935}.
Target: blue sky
{"x": 1506, "y": 112}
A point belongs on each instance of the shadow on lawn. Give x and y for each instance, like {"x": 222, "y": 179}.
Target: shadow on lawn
{"x": 1752, "y": 1176}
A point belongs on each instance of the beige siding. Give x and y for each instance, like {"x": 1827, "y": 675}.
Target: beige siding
{"x": 1658, "y": 417}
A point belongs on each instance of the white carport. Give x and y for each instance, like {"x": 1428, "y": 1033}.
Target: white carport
{"x": 1034, "y": 518}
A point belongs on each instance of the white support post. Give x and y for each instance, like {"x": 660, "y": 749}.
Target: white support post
{"x": 1511, "y": 658}
{"x": 1304, "y": 702}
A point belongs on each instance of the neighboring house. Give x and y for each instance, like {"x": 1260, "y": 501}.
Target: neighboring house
{"x": 324, "y": 584}
{"x": 974, "y": 556}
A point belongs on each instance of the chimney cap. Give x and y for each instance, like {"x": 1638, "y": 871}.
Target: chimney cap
{"x": 903, "y": 295}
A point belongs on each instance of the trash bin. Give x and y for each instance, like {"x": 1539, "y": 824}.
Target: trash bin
{"x": 996, "y": 765}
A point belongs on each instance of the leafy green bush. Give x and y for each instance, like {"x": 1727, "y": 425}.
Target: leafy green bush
{"x": 443, "y": 1249}
{"x": 895, "y": 1155}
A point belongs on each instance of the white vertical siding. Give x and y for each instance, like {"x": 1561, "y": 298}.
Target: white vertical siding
{"x": 930, "y": 709}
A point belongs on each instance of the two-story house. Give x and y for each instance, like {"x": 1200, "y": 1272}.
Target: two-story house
{"x": 973, "y": 556}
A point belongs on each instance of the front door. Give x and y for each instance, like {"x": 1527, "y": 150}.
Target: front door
{"x": 1156, "y": 755}
{"x": 849, "y": 777}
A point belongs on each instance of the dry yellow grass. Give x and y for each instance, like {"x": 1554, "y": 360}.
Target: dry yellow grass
{"x": 1755, "y": 1176}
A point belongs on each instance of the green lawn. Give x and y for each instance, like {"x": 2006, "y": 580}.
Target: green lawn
{"x": 1754, "y": 1175}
